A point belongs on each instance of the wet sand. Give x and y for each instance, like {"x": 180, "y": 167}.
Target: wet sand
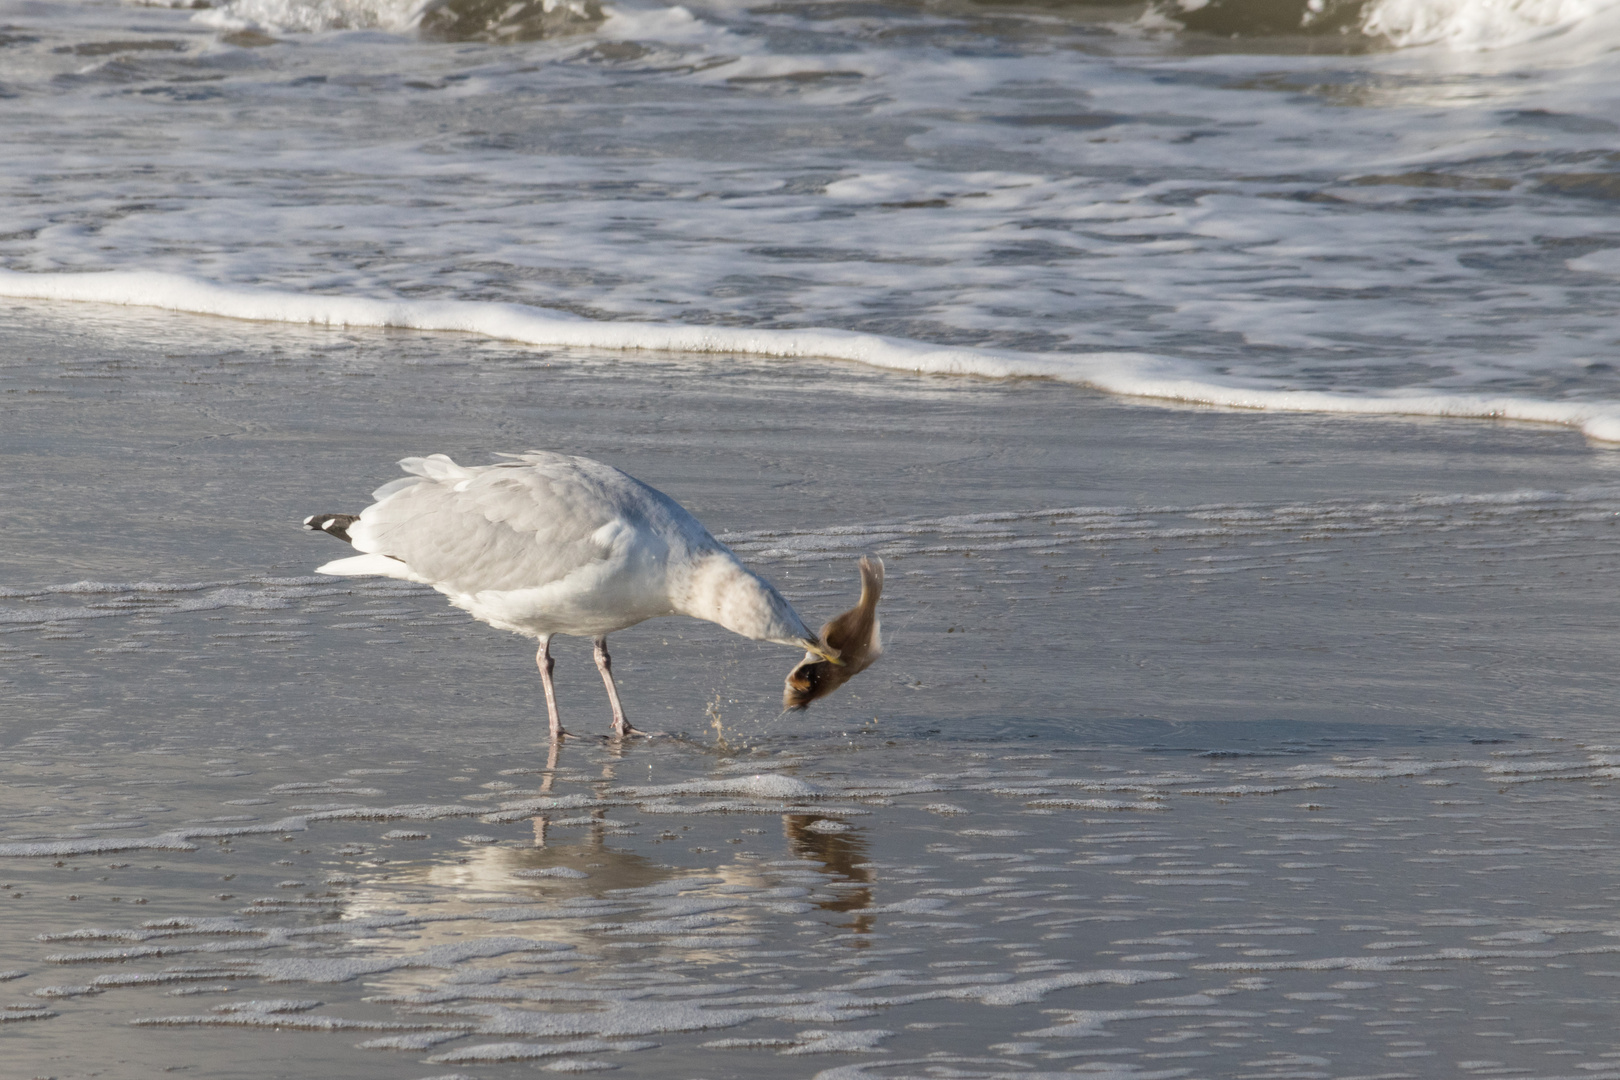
{"x": 1207, "y": 742}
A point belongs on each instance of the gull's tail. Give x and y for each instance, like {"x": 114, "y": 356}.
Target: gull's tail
{"x": 355, "y": 565}
{"x": 332, "y": 524}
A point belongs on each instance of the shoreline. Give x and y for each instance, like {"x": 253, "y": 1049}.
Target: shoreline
{"x": 1136, "y": 375}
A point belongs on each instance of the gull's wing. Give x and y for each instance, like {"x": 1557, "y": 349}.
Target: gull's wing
{"x": 517, "y": 525}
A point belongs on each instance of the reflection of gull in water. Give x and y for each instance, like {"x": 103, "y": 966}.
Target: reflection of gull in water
{"x": 551, "y": 544}
{"x": 560, "y": 877}
{"x": 843, "y": 853}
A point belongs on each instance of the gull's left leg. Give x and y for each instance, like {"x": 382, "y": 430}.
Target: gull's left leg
{"x": 545, "y": 663}
{"x": 604, "y": 664}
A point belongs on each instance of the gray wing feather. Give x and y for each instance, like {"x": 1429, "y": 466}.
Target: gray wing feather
{"x": 511, "y": 526}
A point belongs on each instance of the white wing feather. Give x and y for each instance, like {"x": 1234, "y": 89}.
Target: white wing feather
{"x": 545, "y": 543}
{"x": 367, "y": 566}
{"x": 548, "y": 543}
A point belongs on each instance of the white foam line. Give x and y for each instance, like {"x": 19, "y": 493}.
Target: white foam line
{"x": 179, "y": 839}
{"x": 1127, "y": 374}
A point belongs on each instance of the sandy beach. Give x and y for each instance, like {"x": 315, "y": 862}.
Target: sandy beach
{"x": 1207, "y": 744}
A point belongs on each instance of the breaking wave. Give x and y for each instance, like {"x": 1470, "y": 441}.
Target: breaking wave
{"x": 438, "y": 20}
{"x": 1475, "y": 24}
{"x": 1471, "y": 25}
{"x": 1128, "y": 374}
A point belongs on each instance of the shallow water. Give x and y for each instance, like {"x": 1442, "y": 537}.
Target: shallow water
{"x": 1207, "y": 744}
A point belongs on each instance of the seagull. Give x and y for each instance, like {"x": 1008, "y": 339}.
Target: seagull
{"x": 546, "y": 543}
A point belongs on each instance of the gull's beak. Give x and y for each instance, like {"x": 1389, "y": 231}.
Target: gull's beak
{"x": 823, "y": 650}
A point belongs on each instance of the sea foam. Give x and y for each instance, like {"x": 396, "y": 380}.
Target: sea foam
{"x": 1466, "y": 25}
{"x": 1476, "y": 25}
{"x": 1128, "y": 374}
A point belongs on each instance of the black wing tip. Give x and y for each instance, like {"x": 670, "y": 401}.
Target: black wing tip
{"x": 332, "y": 524}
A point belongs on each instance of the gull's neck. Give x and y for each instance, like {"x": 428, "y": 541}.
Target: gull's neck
{"x": 719, "y": 588}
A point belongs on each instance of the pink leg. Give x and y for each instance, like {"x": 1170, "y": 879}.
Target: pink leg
{"x": 540, "y": 820}
{"x": 604, "y": 664}
{"x": 544, "y": 662}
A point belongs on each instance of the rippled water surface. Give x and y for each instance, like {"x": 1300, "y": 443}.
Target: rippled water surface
{"x": 1196, "y": 753}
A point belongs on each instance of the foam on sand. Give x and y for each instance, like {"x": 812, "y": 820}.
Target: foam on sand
{"x": 1129, "y": 374}
{"x": 764, "y": 785}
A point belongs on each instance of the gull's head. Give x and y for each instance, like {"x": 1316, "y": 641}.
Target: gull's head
{"x": 806, "y": 682}
{"x": 847, "y": 646}
{"x": 821, "y": 650}
{"x": 817, "y": 675}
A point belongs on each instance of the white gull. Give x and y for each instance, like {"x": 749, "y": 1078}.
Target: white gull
{"x": 548, "y": 543}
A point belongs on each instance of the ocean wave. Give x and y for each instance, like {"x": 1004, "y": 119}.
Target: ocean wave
{"x": 1126, "y": 374}
{"x": 1467, "y": 25}
{"x": 1265, "y": 18}
{"x": 312, "y": 16}
{"x": 1473, "y": 25}
{"x": 437, "y": 20}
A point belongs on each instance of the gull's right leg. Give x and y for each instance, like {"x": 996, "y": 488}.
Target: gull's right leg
{"x": 543, "y": 661}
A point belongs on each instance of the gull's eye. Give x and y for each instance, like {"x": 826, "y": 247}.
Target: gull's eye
{"x": 805, "y": 677}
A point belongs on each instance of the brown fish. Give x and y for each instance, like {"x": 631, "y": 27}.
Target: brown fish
{"x": 855, "y": 637}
